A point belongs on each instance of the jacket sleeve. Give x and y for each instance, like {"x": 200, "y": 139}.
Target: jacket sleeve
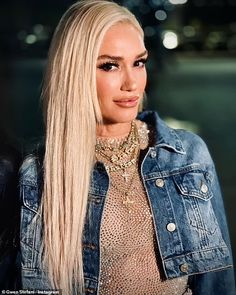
{"x": 221, "y": 281}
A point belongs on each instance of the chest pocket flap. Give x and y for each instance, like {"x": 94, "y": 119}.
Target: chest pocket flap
{"x": 194, "y": 184}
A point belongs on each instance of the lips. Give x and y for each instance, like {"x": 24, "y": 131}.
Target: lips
{"x": 128, "y": 102}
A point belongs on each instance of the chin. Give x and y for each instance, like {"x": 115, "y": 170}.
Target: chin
{"x": 121, "y": 117}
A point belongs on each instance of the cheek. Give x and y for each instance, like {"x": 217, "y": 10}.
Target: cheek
{"x": 106, "y": 85}
{"x": 142, "y": 80}
{"x": 100, "y": 88}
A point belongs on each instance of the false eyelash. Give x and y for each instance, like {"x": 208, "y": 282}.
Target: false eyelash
{"x": 143, "y": 60}
{"x": 106, "y": 64}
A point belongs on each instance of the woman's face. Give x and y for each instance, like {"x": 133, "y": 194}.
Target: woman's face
{"x": 121, "y": 74}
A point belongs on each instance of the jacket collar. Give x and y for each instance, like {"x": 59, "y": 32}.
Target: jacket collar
{"x": 165, "y": 136}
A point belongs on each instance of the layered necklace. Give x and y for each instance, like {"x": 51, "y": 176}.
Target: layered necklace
{"x": 121, "y": 161}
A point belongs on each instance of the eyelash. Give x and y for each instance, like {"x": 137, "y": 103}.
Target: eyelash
{"x": 107, "y": 66}
{"x": 142, "y": 60}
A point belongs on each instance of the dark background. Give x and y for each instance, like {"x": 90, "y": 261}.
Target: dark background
{"x": 192, "y": 73}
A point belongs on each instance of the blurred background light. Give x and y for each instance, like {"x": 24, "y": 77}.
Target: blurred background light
{"x": 38, "y": 29}
{"x": 160, "y": 15}
{"x": 30, "y": 39}
{"x": 170, "y": 40}
{"x": 157, "y": 2}
{"x": 176, "y": 2}
{"x": 189, "y": 31}
{"x": 168, "y": 6}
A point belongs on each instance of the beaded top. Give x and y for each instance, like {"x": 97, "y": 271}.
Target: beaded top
{"x": 130, "y": 263}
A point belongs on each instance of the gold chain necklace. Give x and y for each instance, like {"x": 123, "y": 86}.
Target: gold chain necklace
{"x": 114, "y": 144}
{"x": 117, "y": 165}
{"x": 118, "y": 155}
{"x": 122, "y": 157}
{"x": 126, "y": 191}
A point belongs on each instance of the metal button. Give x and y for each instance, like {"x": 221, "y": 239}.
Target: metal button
{"x": 160, "y": 182}
{"x": 184, "y": 267}
{"x": 153, "y": 154}
{"x": 89, "y": 290}
{"x": 204, "y": 188}
{"x": 171, "y": 227}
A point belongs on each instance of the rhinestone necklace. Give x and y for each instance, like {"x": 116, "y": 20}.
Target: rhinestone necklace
{"x": 122, "y": 156}
{"x": 115, "y": 144}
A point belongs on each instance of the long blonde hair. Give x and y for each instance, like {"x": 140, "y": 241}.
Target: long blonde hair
{"x": 71, "y": 113}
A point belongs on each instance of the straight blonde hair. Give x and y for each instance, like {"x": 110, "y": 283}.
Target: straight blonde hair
{"x": 71, "y": 113}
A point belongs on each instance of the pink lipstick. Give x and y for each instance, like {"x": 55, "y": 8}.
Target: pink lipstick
{"x": 127, "y": 102}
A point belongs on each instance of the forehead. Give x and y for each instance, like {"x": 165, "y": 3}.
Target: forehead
{"x": 122, "y": 38}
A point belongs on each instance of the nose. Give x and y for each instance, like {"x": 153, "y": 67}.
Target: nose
{"x": 129, "y": 82}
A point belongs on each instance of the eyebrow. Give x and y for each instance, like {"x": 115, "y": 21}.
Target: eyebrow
{"x": 118, "y": 58}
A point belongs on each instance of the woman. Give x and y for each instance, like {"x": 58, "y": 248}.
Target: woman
{"x": 129, "y": 206}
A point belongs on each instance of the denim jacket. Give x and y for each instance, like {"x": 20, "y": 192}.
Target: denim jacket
{"x": 188, "y": 214}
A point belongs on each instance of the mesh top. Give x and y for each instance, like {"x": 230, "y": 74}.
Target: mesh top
{"x": 130, "y": 261}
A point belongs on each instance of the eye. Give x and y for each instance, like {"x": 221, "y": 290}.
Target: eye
{"x": 140, "y": 63}
{"x": 108, "y": 66}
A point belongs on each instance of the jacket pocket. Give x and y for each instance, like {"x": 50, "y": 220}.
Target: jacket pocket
{"x": 195, "y": 190}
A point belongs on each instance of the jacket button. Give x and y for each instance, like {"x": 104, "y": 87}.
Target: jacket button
{"x": 184, "y": 267}
{"x": 171, "y": 227}
{"x": 204, "y": 188}
{"x": 160, "y": 182}
{"x": 153, "y": 154}
{"x": 91, "y": 291}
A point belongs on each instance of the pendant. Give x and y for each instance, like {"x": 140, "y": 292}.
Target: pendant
{"x": 114, "y": 158}
{"x": 128, "y": 203}
{"x": 126, "y": 176}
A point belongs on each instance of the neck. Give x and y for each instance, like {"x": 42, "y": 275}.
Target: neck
{"x": 113, "y": 130}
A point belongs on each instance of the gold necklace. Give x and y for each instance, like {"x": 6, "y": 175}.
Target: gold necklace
{"x": 114, "y": 144}
{"x": 117, "y": 164}
{"x": 118, "y": 155}
{"x": 126, "y": 191}
{"x": 121, "y": 158}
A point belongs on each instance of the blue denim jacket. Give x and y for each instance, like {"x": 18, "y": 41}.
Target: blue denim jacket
{"x": 182, "y": 188}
